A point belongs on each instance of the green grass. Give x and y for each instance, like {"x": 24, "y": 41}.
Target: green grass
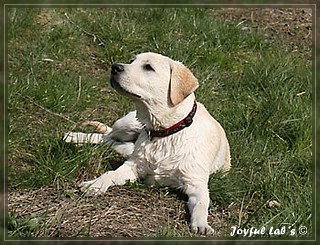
{"x": 260, "y": 92}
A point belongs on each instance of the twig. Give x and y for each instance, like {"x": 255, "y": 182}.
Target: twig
{"x": 79, "y": 94}
{"x": 49, "y": 111}
{"x": 101, "y": 42}
{"x": 79, "y": 89}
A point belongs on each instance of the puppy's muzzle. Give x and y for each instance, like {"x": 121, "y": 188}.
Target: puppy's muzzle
{"x": 116, "y": 71}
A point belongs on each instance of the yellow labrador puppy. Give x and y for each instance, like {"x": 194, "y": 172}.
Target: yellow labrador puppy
{"x": 170, "y": 139}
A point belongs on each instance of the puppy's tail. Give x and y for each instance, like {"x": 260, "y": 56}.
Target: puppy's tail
{"x": 100, "y": 127}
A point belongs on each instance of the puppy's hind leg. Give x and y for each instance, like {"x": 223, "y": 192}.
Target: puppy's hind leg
{"x": 121, "y": 137}
{"x": 125, "y": 129}
{"x": 125, "y": 132}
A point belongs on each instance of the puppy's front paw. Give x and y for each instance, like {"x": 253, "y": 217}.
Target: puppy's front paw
{"x": 203, "y": 229}
{"x": 93, "y": 187}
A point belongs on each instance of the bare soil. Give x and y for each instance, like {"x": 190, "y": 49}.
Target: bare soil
{"x": 121, "y": 212}
{"x": 134, "y": 212}
{"x": 291, "y": 26}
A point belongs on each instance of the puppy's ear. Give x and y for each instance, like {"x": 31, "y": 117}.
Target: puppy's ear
{"x": 182, "y": 82}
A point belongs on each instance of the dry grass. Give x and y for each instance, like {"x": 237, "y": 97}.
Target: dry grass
{"x": 121, "y": 212}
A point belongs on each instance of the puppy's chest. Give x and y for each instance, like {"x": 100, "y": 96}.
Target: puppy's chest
{"x": 158, "y": 159}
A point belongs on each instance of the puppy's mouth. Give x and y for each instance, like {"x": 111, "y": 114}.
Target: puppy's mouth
{"x": 115, "y": 85}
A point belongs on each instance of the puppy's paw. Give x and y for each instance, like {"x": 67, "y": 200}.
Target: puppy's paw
{"x": 202, "y": 229}
{"x": 93, "y": 187}
{"x": 79, "y": 138}
{"x": 73, "y": 137}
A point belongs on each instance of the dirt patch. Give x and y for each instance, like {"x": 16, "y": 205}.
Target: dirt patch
{"x": 122, "y": 212}
{"x": 49, "y": 18}
{"x": 289, "y": 26}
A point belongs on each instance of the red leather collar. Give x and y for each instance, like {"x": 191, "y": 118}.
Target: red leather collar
{"x": 186, "y": 122}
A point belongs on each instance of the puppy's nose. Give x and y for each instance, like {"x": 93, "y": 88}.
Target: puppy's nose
{"x": 116, "y": 68}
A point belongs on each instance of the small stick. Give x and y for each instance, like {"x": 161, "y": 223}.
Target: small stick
{"x": 49, "y": 111}
{"x": 101, "y": 42}
{"x": 79, "y": 89}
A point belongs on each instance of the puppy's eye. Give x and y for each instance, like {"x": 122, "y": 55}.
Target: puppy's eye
{"x": 148, "y": 67}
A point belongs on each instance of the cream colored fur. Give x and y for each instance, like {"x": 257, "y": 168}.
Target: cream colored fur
{"x": 162, "y": 91}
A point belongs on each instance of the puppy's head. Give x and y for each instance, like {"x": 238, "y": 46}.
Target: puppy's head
{"x": 153, "y": 79}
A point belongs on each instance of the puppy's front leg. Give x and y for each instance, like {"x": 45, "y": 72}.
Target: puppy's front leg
{"x": 198, "y": 205}
{"x": 126, "y": 172}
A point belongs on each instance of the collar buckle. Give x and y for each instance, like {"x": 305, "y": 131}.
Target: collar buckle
{"x": 188, "y": 121}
